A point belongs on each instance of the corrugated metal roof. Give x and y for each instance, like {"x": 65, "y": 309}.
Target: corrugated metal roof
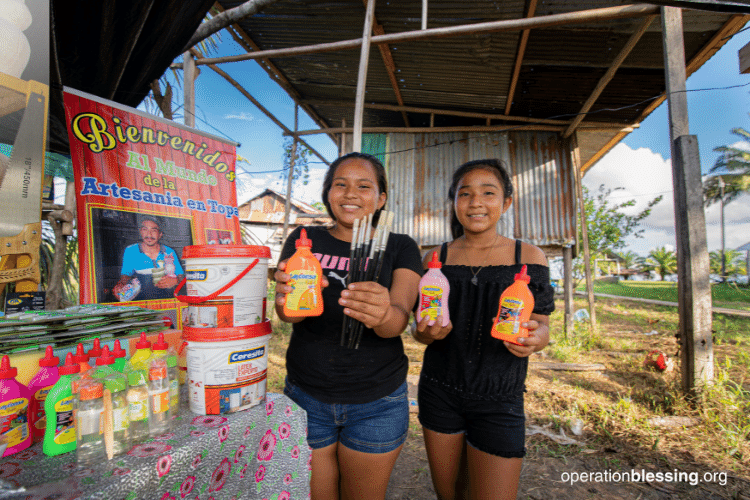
{"x": 473, "y": 72}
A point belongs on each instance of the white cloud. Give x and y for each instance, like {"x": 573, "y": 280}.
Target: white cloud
{"x": 644, "y": 175}
{"x": 240, "y": 116}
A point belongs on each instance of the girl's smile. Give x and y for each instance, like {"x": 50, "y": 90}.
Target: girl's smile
{"x": 479, "y": 201}
{"x": 354, "y": 193}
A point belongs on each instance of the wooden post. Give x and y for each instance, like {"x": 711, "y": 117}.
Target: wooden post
{"x": 568, "y": 289}
{"x": 188, "y": 65}
{"x": 292, "y": 159}
{"x": 584, "y": 230}
{"x": 694, "y": 292}
{"x": 364, "y": 59}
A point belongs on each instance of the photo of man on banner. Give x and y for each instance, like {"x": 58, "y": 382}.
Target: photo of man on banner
{"x": 154, "y": 265}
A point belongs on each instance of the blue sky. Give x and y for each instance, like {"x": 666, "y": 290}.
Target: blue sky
{"x": 718, "y": 100}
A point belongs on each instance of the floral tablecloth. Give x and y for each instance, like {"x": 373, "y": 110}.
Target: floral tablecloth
{"x": 257, "y": 453}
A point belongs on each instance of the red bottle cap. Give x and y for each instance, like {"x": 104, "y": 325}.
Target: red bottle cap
{"x": 160, "y": 344}
{"x": 107, "y": 358}
{"x": 522, "y": 276}
{"x": 49, "y": 358}
{"x": 95, "y": 351}
{"x": 7, "y": 371}
{"x": 303, "y": 241}
{"x": 118, "y": 351}
{"x": 144, "y": 343}
{"x": 435, "y": 262}
{"x": 70, "y": 367}
{"x": 80, "y": 356}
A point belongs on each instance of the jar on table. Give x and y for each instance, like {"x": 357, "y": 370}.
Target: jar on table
{"x": 89, "y": 433}
{"x": 118, "y": 387}
{"x": 138, "y": 406}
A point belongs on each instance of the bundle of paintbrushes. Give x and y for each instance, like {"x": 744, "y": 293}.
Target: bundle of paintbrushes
{"x": 366, "y": 256}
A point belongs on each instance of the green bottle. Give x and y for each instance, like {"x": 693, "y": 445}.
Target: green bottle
{"x": 60, "y": 433}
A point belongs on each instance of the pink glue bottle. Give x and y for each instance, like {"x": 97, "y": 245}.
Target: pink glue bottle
{"x": 39, "y": 386}
{"x": 14, "y": 409}
{"x": 433, "y": 294}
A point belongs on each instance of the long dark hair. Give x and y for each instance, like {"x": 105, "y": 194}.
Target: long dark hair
{"x": 493, "y": 165}
{"x": 379, "y": 174}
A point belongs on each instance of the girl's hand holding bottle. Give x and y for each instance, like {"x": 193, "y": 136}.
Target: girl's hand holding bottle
{"x": 426, "y": 334}
{"x": 283, "y": 288}
{"x": 536, "y": 341}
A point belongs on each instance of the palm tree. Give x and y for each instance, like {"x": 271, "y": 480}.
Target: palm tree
{"x": 735, "y": 163}
{"x": 733, "y": 267}
{"x": 663, "y": 261}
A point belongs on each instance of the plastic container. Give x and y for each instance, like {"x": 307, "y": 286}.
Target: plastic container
{"x": 142, "y": 354}
{"x": 226, "y": 368}
{"x": 104, "y": 364}
{"x": 88, "y": 415}
{"x": 120, "y": 356}
{"x": 226, "y": 285}
{"x": 60, "y": 434}
{"x": 82, "y": 358}
{"x": 433, "y": 294}
{"x": 516, "y": 304}
{"x": 306, "y": 298}
{"x": 162, "y": 349}
{"x": 14, "y": 409}
{"x": 159, "y": 417}
{"x": 117, "y": 384}
{"x": 96, "y": 349}
{"x": 138, "y": 404}
{"x": 39, "y": 386}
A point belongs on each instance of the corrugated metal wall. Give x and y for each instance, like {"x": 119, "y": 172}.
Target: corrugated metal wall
{"x": 420, "y": 169}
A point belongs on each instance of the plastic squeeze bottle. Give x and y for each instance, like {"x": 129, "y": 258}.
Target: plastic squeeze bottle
{"x": 88, "y": 415}
{"x": 119, "y": 353}
{"x": 60, "y": 434}
{"x": 96, "y": 349}
{"x": 138, "y": 404}
{"x": 159, "y": 421}
{"x": 306, "y": 298}
{"x": 40, "y": 385}
{"x": 433, "y": 293}
{"x": 81, "y": 358}
{"x": 162, "y": 349}
{"x": 104, "y": 364}
{"x": 140, "y": 358}
{"x": 14, "y": 409}
{"x": 516, "y": 304}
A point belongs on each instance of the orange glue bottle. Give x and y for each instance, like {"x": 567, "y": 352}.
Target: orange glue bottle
{"x": 306, "y": 298}
{"x": 516, "y": 304}
{"x": 433, "y": 293}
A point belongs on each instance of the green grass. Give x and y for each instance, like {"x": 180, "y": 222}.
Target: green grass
{"x": 723, "y": 295}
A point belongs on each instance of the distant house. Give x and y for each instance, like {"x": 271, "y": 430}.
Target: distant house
{"x": 613, "y": 265}
{"x": 262, "y": 220}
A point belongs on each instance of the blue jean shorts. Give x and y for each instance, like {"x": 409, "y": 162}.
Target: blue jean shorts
{"x": 377, "y": 427}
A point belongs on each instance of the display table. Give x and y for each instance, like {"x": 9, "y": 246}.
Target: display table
{"x": 257, "y": 453}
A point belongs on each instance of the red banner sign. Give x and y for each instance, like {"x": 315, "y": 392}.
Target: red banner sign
{"x": 146, "y": 188}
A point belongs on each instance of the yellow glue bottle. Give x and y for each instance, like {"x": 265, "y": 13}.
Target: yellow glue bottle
{"x": 140, "y": 358}
{"x": 516, "y": 304}
{"x": 306, "y": 298}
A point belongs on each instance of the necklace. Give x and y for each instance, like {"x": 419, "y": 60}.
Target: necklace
{"x": 474, "y": 279}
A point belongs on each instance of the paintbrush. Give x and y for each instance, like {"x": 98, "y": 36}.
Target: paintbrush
{"x": 352, "y": 246}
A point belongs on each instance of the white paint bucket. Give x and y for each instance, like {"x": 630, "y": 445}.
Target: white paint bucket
{"x": 226, "y": 285}
{"x": 226, "y": 367}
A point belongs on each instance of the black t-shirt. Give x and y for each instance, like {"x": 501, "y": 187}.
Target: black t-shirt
{"x": 469, "y": 361}
{"x": 315, "y": 359}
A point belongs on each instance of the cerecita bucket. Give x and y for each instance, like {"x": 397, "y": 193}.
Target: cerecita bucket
{"x": 226, "y": 367}
{"x": 226, "y": 285}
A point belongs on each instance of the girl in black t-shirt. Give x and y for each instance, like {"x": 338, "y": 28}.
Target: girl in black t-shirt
{"x": 471, "y": 386}
{"x": 356, "y": 399}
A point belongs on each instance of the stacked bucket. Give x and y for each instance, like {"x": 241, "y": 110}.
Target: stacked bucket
{"x": 225, "y": 326}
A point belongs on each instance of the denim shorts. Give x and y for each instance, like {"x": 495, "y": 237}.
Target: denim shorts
{"x": 377, "y": 427}
{"x": 494, "y": 427}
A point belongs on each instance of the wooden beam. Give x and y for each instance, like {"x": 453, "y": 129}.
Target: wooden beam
{"x": 292, "y": 159}
{"x": 519, "y": 58}
{"x": 576, "y": 159}
{"x": 694, "y": 292}
{"x": 422, "y": 130}
{"x": 270, "y": 115}
{"x": 248, "y": 44}
{"x": 578, "y": 17}
{"x": 189, "y": 76}
{"x": 731, "y": 27}
{"x": 364, "y": 60}
{"x": 744, "y": 55}
{"x": 568, "y": 290}
{"x": 607, "y": 77}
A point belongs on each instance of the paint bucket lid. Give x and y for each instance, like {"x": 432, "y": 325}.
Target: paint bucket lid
{"x": 226, "y": 334}
{"x": 226, "y": 251}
